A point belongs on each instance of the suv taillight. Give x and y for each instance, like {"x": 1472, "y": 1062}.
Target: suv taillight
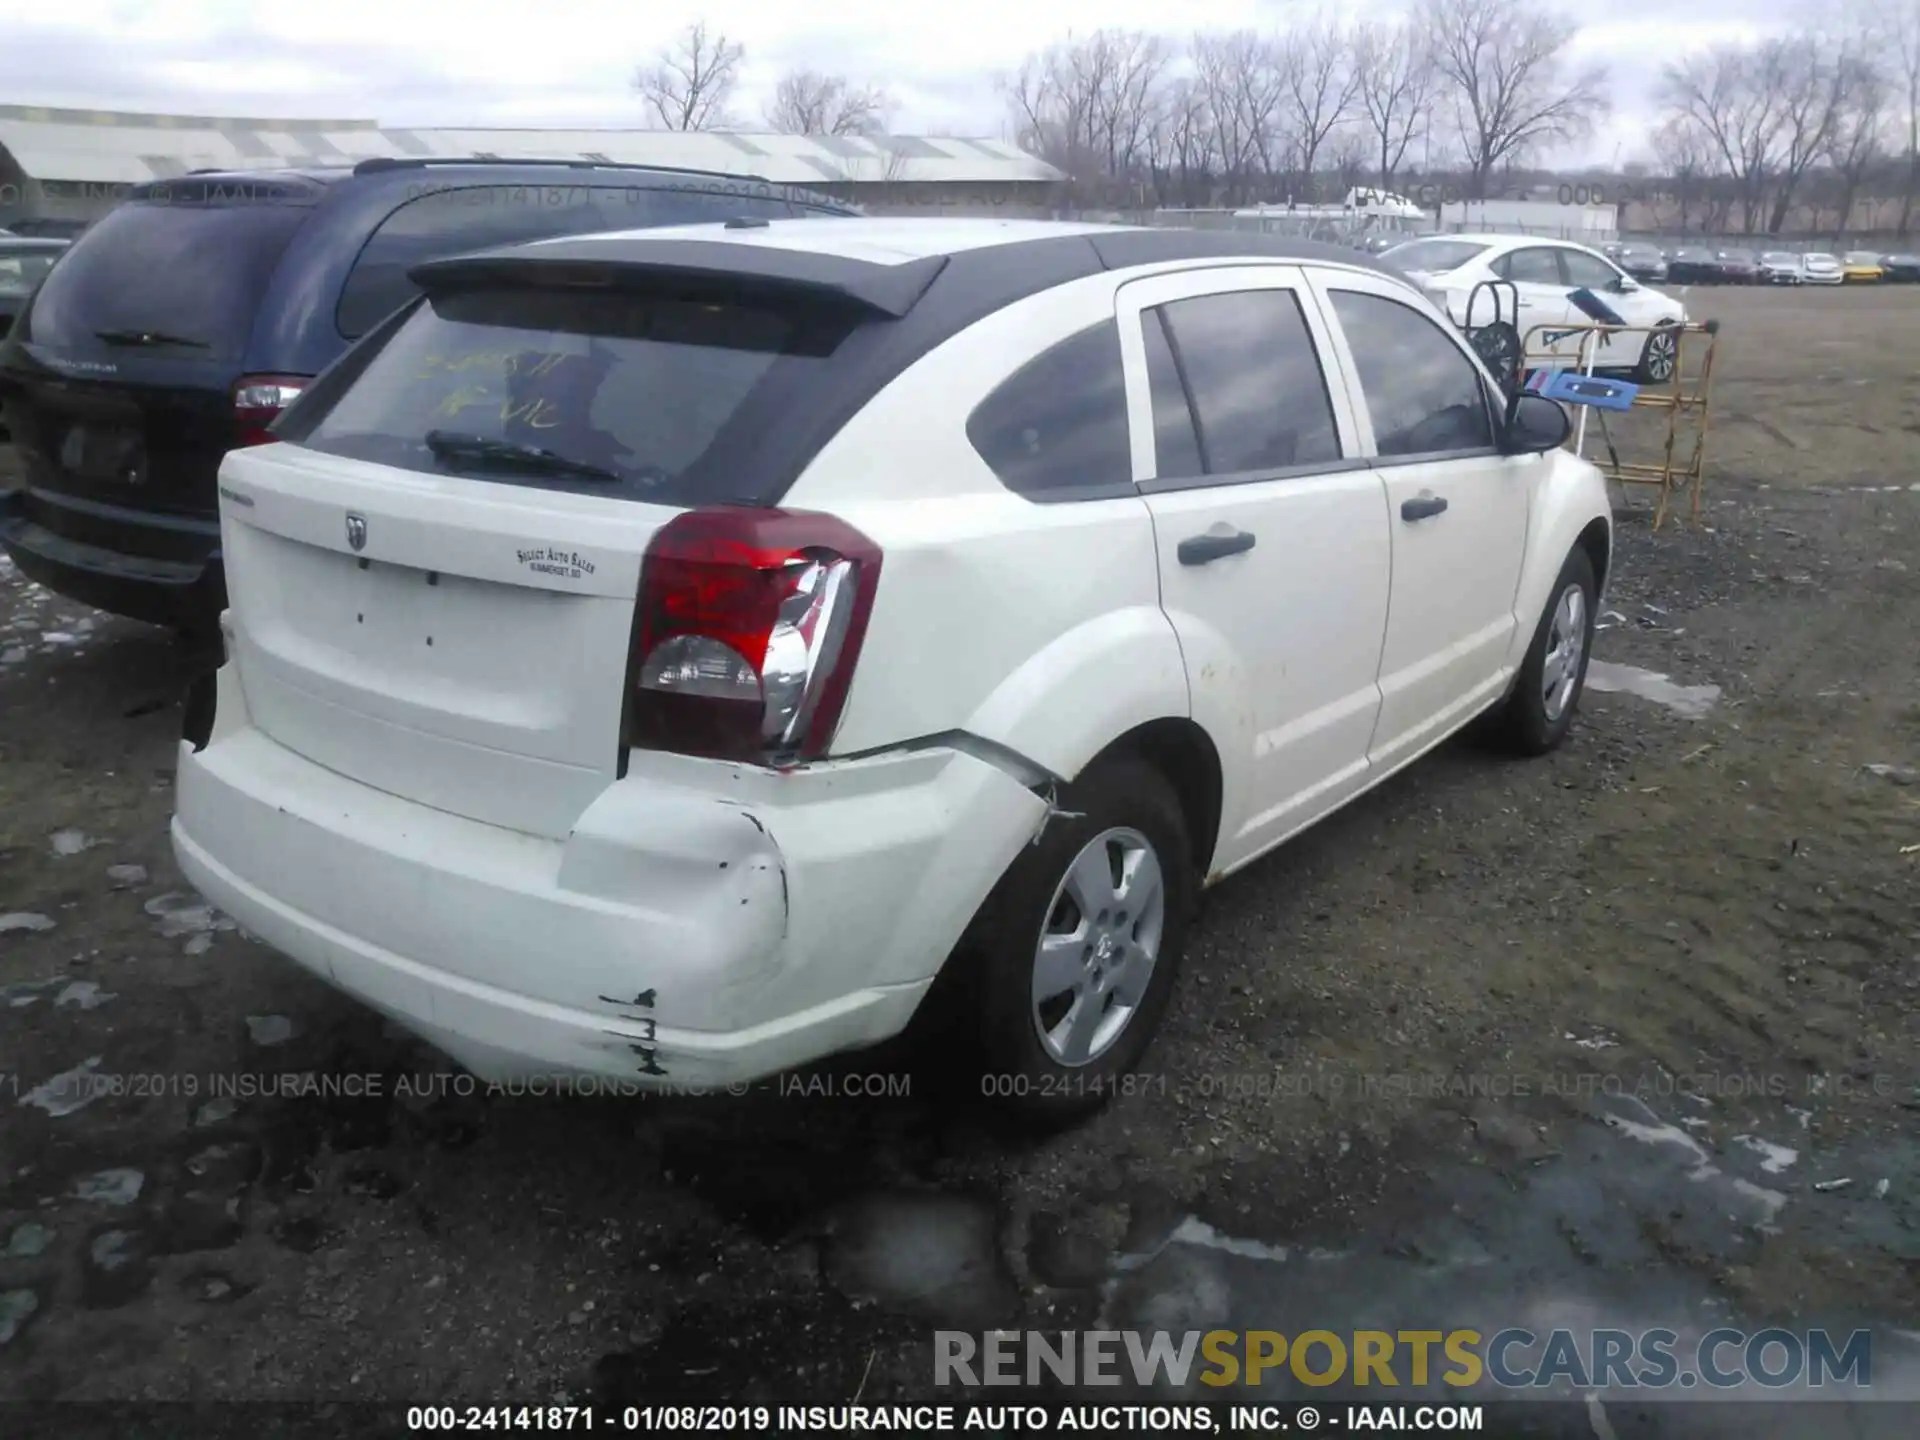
{"x": 748, "y": 628}
{"x": 257, "y": 403}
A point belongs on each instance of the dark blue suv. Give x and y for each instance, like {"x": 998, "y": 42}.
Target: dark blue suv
{"x": 181, "y": 324}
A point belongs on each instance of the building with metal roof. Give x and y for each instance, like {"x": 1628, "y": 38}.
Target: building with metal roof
{"x": 75, "y": 164}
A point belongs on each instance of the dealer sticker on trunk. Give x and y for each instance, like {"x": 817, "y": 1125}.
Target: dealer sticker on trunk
{"x": 550, "y": 560}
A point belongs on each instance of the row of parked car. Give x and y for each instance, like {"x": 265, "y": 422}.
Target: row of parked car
{"x": 1700, "y": 265}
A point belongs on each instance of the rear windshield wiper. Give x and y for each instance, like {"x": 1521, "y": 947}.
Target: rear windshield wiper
{"x": 147, "y": 337}
{"x": 450, "y": 445}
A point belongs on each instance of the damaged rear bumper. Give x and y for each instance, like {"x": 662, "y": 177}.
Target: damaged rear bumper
{"x": 704, "y": 924}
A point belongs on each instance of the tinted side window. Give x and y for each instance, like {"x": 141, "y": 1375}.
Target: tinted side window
{"x": 1537, "y": 266}
{"x": 476, "y": 217}
{"x": 1259, "y": 396}
{"x": 1059, "y": 423}
{"x": 1588, "y": 270}
{"x": 1176, "y": 444}
{"x": 1425, "y": 396}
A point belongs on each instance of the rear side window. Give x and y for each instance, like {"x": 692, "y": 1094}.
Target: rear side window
{"x": 1056, "y": 428}
{"x": 1426, "y": 397}
{"x": 1536, "y": 265}
{"x": 1259, "y": 397}
{"x": 609, "y": 392}
{"x": 455, "y": 220}
{"x": 192, "y": 268}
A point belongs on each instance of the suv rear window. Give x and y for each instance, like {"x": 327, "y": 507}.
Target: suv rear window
{"x": 193, "y": 265}
{"x": 606, "y": 392}
{"x": 453, "y": 220}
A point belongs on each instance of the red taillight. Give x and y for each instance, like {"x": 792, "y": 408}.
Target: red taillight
{"x": 748, "y": 629}
{"x": 257, "y": 403}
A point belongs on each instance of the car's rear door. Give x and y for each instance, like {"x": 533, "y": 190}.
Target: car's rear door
{"x": 1459, "y": 509}
{"x": 1272, "y": 536}
{"x": 1536, "y": 274}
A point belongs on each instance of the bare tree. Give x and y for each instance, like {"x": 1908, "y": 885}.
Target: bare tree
{"x": 1318, "y": 81}
{"x": 691, "y": 82}
{"x": 1904, "y": 23}
{"x": 1857, "y": 141}
{"x": 1724, "y": 98}
{"x": 807, "y": 102}
{"x": 1241, "y": 83}
{"x": 1818, "y": 76}
{"x": 1686, "y": 154}
{"x": 1181, "y": 146}
{"x": 1502, "y": 67}
{"x": 1393, "y": 71}
{"x": 1089, "y": 106}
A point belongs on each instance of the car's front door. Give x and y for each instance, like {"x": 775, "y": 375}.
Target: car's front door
{"x": 1273, "y": 537}
{"x": 1458, "y": 508}
{"x": 1633, "y": 305}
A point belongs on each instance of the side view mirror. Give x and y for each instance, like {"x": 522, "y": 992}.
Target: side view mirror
{"x": 1626, "y": 285}
{"x": 1536, "y": 425}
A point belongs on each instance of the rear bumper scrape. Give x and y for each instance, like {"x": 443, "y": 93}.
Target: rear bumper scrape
{"x": 696, "y": 927}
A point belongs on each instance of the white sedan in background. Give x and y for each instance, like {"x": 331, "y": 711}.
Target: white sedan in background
{"x": 1544, "y": 274}
{"x": 1821, "y": 270}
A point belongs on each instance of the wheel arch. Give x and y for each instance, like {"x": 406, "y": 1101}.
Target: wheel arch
{"x": 1597, "y": 540}
{"x": 1182, "y": 751}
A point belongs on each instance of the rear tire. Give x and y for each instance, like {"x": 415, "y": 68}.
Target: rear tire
{"x": 1071, "y": 962}
{"x": 1539, "y": 712}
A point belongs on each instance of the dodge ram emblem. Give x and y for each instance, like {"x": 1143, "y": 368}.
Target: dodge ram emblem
{"x": 357, "y": 531}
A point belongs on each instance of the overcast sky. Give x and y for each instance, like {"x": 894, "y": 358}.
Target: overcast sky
{"x": 571, "y": 62}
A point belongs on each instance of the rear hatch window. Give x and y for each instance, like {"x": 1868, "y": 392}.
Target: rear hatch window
{"x": 177, "y": 270}
{"x": 615, "y": 392}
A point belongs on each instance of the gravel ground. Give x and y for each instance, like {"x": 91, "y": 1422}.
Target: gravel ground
{"x": 1491, "y": 1005}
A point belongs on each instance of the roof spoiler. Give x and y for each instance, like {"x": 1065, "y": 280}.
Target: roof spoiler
{"x": 596, "y": 262}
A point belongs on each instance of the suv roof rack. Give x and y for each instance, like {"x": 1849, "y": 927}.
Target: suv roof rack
{"x": 377, "y": 163}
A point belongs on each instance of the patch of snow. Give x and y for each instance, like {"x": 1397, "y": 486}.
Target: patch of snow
{"x": 1774, "y": 1159}
{"x": 68, "y": 1091}
{"x": 118, "y": 1186}
{"x": 1692, "y": 701}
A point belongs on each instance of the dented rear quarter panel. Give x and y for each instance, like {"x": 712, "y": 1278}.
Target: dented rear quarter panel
{"x": 1036, "y": 626}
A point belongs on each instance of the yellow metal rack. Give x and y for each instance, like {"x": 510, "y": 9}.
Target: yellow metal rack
{"x": 1686, "y": 399}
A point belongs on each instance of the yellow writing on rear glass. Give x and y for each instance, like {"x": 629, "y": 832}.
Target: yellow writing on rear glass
{"x": 538, "y": 413}
{"x": 506, "y": 362}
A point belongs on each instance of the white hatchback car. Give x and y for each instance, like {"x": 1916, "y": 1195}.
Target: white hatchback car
{"x": 1822, "y": 269}
{"x": 660, "y": 656}
{"x": 1544, "y": 275}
